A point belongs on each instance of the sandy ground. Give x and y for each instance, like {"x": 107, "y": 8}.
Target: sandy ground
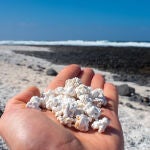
{"x": 16, "y": 74}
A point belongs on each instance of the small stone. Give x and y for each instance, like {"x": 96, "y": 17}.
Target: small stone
{"x": 41, "y": 67}
{"x": 100, "y": 124}
{"x": 18, "y": 64}
{"x": 82, "y": 123}
{"x": 146, "y": 100}
{"x": 34, "y": 103}
{"x": 51, "y": 72}
{"x": 129, "y": 105}
{"x": 92, "y": 111}
{"x": 121, "y": 103}
{"x": 82, "y": 89}
{"x": 85, "y": 98}
{"x": 30, "y": 66}
{"x": 24, "y": 79}
{"x": 125, "y": 90}
{"x": 136, "y": 98}
{"x": 38, "y": 69}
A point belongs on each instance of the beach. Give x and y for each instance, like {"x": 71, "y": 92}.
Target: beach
{"x": 25, "y": 65}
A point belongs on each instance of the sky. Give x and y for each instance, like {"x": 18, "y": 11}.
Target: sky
{"x": 90, "y": 20}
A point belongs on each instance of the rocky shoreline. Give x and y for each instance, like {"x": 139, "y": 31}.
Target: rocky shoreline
{"x": 130, "y": 63}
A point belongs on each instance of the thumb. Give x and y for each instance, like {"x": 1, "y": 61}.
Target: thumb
{"x": 25, "y": 95}
{"x": 22, "y": 98}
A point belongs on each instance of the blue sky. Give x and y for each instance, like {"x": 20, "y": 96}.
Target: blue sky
{"x": 121, "y": 20}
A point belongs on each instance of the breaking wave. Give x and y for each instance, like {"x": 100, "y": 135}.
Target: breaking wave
{"x": 78, "y": 43}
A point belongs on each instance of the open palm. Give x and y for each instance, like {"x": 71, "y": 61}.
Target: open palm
{"x": 29, "y": 129}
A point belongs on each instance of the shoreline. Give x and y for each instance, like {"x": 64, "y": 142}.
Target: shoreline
{"x": 131, "y": 64}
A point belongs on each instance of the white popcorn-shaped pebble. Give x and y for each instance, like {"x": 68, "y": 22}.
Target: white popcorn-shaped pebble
{"x": 56, "y": 109}
{"x": 96, "y": 93}
{"x": 59, "y": 90}
{"x": 34, "y": 103}
{"x": 70, "y": 86}
{"x": 98, "y": 97}
{"x": 74, "y": 82}
{"x": 70, "y": 91}
{"x": 82, "y": 90}
{"x": 42, "y": 103}
{"x": 66, "y": 99}
{"x": 92, "y": 111}
{"x": 52, "y": 102}
{"x": 59, "y": 112}
{"x": 104, "y": 101}
{"x": 69, "y": 109}
{"x": 48, "y": 94}
{"x": 100, "y": 124}
{"x": 82, "y": 123}
{"x": 85, "y": 98}
{"x": 99, "y": 102}
{"x": 74, "y": 105}
{"x": 66, "y": 121}
{"x": 79, "y": 111}
{"x": 80, "y": 104}
{"x": 106, "y": 122}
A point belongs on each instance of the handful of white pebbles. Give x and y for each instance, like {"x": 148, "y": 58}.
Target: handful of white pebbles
{"x": 74, "y": 105}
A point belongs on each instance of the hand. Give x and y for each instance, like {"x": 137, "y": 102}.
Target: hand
{"x": 29, "y": 129}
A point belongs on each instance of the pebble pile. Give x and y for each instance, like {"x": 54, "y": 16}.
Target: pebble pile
{"x": 74, "y": 105}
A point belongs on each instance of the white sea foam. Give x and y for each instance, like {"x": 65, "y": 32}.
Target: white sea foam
{"x": 78, "y": 43}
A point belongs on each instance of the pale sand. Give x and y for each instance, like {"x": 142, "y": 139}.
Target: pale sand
{"x": 16, "y": 76}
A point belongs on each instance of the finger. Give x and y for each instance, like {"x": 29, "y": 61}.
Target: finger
{"x": 22, "y": 98}
{"x": 114, "y": 125}
{"x": 110, "y": 91}
{"x": 86, "y": 76}
{"x": 68, "y": 72}
{"x": 97, "y": 81}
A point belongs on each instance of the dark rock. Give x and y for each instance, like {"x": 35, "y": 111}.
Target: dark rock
{"x": 125, "y": 90}
{"x": 51, "y": 72}
{"x": 136, "y": 97}
{"x": 41, "y": 67}
{"x": 132, "y": 143}
{"x": 18, "y": 64}
{"x": 121, "y": 103}
{"x": 30, "y": 66}
{"x": 141, "y": 99}
{"x": 24, "y": 79}
{"x": 129, "y": 105}
{"x": 38, "y": 69}
{"x": 146, "y": 100}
